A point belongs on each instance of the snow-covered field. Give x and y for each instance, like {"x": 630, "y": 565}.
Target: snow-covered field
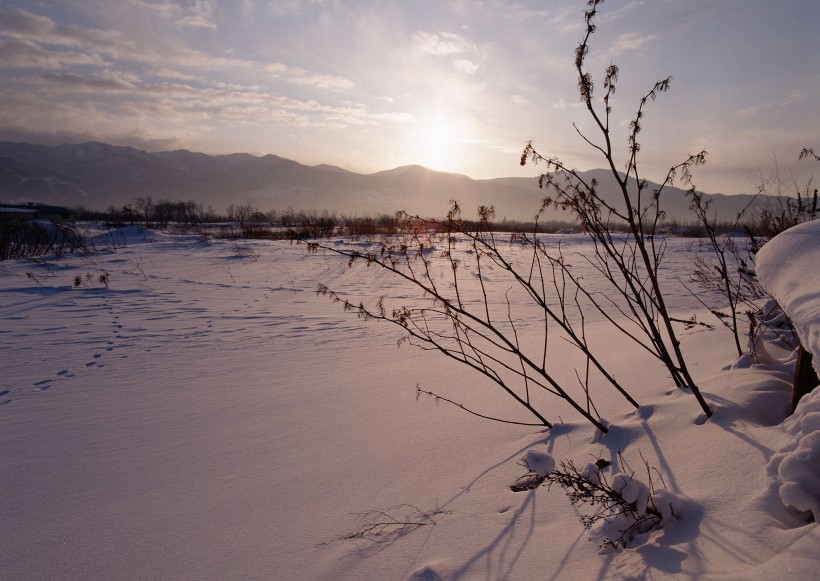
{"x": 207, "y": 416}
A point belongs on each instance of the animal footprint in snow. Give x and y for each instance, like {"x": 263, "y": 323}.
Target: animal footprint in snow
{"x": 42, "y": 385}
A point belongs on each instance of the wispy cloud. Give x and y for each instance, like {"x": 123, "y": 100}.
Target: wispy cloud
{"x": 465, "y": 66}
{"x": 632, "y": 41}
{"x": 196, "y": 22}
{"x": 322, "y": 81}
{"x": 41, "y": 29}
{"x": 78, "y": 83}
{"x": 135, "y": 138}
{"x": 518, "y": 11}
{"x": 20, "y": 53}
{"x": 197, "y": 15}
{"x": 788, "y": 100}
{"x": 300, "y": 76}
{"x": 441, "y": 43}
{"x": 31, "y": 41}
{"x": 116, "y": 99}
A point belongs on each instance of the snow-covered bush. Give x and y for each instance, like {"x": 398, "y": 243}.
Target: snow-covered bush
{"x": 623, "y": 507}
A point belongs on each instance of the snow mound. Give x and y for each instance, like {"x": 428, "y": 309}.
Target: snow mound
{"x": 649, "y": 512}
{"x": 123, "y": 236}
{"x": 632, "y": 490}
{"x": 539, "y": 462}
{"x": 788, "y": 266}
{"x": 794, "y": 468}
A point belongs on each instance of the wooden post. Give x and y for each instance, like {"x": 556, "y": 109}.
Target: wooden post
{"x": 805, "y": 378}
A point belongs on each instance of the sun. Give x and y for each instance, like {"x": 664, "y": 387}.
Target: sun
{"x": 441, "y": 142}
{"x": 441, "y": 132}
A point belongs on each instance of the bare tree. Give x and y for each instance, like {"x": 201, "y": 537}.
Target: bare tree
{"x": 145, "y": 207}
{"x": 241, "y": 212}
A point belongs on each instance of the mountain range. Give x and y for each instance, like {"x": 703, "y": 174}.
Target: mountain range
{"x": 97, "y": 175}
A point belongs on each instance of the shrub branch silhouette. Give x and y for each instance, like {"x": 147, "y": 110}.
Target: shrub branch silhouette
{"x": 471, "y": 324}
{"x": 631, "y": 263}
{"x": 396, "y": 520}
{"x": 730, "y": 274}
{"x": 462, "y": 319}
{"x": 787, "y": 203}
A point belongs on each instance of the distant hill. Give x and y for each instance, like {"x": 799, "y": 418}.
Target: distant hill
{"x": 97, "y": 175}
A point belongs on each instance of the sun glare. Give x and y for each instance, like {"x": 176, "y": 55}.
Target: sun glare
{"x": 441, "y": 143}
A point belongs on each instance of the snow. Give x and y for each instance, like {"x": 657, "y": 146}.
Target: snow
{"x": 207, "y": 415}
{"x": 632, "y": 490}
{"x": 539, "y": 461}
{"x": 795, "y": 467}
{"x": 789, "y": 267}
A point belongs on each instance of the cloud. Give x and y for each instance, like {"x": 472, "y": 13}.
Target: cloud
{"x": 793, "y": 97}
{"x": 441, "y": 43}
{"x": 562, "y": 104}
{"x": 518, "y": 11}
{"x": 164, "y": 10}
{"x": 54, "y": 137}
{"x": 31, "y": 41}
{"x": 162, "y": 72}
{"x": 753, "y": 111}
{"x": 632, "y": 41}
{"x": 23, "y": 54}
{"x": 299, "y": 76}
{"x": 49, "y": 36}
{"x": 197, "y": 16}
{"x": 394, "y": 117}
{"x": 107, "y": 46}
{"x": 41, "y": 29}
{"x": 69, "y": 100}
{"x": 196, "y": 22}
{"x": 73, "y": 82}
{"x": 137, "y": 139}
{"x": 567, "y": 19}
{"x": 465, "y": 66}
{"x": 322, "y": 82}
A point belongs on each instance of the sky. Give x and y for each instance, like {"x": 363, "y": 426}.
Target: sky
{"x": 458, "y": 86}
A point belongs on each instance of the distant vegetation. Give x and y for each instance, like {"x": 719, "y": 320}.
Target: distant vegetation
{"x": 787, "y": 204}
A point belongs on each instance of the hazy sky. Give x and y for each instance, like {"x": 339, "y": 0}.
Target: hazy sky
{"x": 457, "y": 86}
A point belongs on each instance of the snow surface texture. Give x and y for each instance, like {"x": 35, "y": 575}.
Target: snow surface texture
{"x": 789, "y": 267}
{"x": 207, "y": 416}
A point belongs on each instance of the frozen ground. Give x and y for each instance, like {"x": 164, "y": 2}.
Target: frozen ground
{"x": 208, "y": 416}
